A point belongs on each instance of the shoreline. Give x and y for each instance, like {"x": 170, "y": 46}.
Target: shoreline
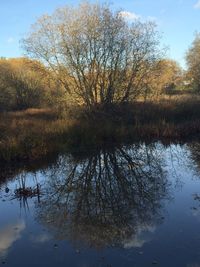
{"x": 35, "y": 133}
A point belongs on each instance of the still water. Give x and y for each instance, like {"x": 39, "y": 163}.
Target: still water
{"x": 135, "y": 205}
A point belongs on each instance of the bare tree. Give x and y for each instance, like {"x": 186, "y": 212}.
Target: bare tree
{"x": 95, "y": 53}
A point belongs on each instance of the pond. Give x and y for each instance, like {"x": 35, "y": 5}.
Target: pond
{"x": 133, "y": 205}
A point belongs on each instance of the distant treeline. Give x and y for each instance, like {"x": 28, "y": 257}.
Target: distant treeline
{"x": 26, "y": 83}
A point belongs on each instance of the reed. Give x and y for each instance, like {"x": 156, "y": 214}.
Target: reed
{"x": 35, "y": 133}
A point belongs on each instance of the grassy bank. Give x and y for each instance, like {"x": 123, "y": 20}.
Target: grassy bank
{"x": 30, "y": 134}
{"x": 36, "y": 133}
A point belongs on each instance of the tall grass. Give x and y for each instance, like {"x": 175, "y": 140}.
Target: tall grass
{"x": 33, "y": 134}
{"x": 30, "y": 134}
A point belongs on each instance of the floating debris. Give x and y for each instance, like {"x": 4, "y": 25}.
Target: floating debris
{"x": 26, "y": 192}
{"x": 55, "y": 246}
{"x": 154, "y": 262}
{"x": 7, "y": 190}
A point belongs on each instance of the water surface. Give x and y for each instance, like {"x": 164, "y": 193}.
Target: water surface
{"x": 136, "y": 205}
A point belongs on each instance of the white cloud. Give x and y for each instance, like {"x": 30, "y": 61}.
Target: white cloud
{"x": 9, "y": 235}
{"x": 197, "y": 5}
{"x": 42, "y": 238}
{"x": 139, "y": 238}
{"x": 129, "y": 15}
{"x": 10, "y": 40}
{"x": 153, "y": 19}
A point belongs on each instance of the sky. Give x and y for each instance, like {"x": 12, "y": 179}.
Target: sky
{"x": 177, "y": 20}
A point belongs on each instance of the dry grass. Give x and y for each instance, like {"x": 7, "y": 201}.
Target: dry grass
{"x": 35, "y": 133}
{"x": 30, "y": 133}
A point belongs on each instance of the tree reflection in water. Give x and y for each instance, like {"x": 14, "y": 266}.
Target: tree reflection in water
{"x": 107, "y": 198}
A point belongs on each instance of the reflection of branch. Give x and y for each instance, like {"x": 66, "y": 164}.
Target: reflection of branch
{"x": 23, "y": 192}
{"x": 106, "y": 197}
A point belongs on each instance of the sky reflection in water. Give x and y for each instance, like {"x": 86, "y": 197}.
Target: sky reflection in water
{"x": 126, "y": 206}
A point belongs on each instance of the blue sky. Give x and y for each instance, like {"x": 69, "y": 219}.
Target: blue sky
{"x": 177, "y": 20}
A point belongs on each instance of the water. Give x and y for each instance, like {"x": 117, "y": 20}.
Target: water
{"x": 135, "y": 205}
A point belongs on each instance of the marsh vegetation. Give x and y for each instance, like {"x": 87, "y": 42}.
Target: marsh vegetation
{"x": 91, "y": 77}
